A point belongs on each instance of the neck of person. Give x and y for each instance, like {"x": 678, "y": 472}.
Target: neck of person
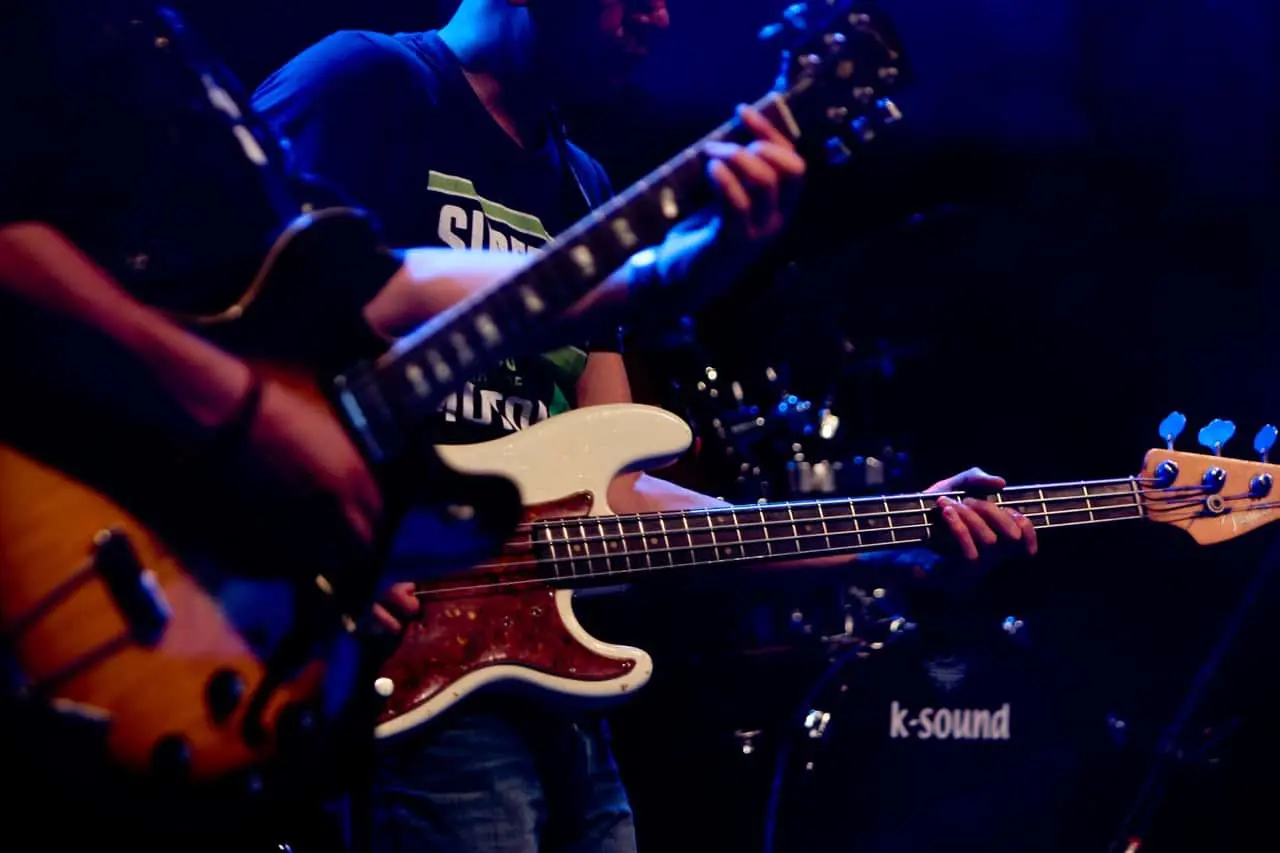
{"x": 504, "y": 75}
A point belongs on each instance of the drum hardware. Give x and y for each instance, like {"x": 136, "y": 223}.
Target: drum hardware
{"x": 747, "y": 740}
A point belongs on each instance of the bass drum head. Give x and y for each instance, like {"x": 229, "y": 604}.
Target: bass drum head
{"x": 960, "y": 742}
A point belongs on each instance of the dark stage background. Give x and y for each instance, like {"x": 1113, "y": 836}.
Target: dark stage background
{"x": 1073, "y": 236}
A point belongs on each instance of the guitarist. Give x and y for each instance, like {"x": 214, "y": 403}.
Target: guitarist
{"x": 121, "y": 188}
{"x": 453, "y": 138}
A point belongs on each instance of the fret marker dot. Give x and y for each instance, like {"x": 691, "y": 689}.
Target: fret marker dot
{"x": 627, "y": 238}
{"x": 728, "y": 552}
{"x": 462, "y": 348}
{"x": 488, "y": 330}
{"x": 532, "y": 301}
{"x": 439, "y": 367}
{"x": 417, "y": 380}
{"x": 653, "y": 541}
{"x": 667, "y": 200}
{"x": 585, "y": 261}
{"x": 613, "y": 545}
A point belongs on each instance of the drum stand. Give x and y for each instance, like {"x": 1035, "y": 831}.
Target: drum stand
{"x": 1173, "y": 748}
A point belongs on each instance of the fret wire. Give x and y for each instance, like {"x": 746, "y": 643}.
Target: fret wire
{"x": 1043, "y": 505}
{"x": 644, "y": 542}
{"x": 684, "y": 517}
{"x": 893, "y": 537}
{"x": 586, "y": 548}
{"x": 822, "y": 519}
{"x": 666, "y": 538}
{"x": 568, "y": 546}
{"x": 737, "y": 527}
{"x": 1137, "y": 497}
{"x": 1088, "y": 503}
{"x": 924, "y": 510}
{"x": 608, "y": 555}
{"x": 795, "y": 531}
{"x": 765, "y": 527}
{"x": 551, "y": 549}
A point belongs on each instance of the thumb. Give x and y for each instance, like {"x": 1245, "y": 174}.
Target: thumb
{"x": 974, "y": 478}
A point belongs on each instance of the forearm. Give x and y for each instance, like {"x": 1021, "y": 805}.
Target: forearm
{"x": 167, "y": 377}
{"x": 656, "y": 284}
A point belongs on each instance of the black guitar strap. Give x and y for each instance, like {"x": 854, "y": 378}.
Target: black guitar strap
{"x": 571, "y": 165}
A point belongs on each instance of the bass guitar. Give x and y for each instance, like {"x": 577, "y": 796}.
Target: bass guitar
{"x": 510, "y": 620}
{"x": 191, "y": 674}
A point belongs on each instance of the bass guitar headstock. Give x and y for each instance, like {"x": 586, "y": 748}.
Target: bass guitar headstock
{"x": 841, "y": 59}
{"x": 1210, "y": 496}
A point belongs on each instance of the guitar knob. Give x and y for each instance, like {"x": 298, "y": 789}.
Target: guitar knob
{"x": 223, "y": 693}
{"x": 1260, "y": 486}
{"x": 296, "y": 729}
{"x": 171, "y": 759}
{"x": 1214, "y": 479}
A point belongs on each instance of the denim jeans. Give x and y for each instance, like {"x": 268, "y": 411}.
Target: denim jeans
{"x": 498, "y": 775}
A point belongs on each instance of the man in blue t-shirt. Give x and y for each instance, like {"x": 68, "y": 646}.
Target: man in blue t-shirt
{"x": 451, "y": 137}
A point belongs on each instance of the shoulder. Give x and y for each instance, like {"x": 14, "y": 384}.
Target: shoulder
{"x": 351, "y": 60}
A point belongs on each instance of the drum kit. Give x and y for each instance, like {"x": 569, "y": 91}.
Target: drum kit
{"x": 960, "y": 736}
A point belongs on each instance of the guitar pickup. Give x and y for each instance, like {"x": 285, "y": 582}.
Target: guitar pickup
{"x": 132, "y": 586}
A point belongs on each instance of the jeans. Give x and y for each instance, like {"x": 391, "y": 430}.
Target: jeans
{"x": 497, "y": 775}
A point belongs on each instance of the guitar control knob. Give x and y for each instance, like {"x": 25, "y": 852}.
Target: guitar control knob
{"x": 171, "y": 759}
{"x": 296, "y": 729}
{"x": 223, "y": 693}
{"x": 1260, "y": 486}
{"x": 1214, "y": 479}
{"x": 384, "y": 687}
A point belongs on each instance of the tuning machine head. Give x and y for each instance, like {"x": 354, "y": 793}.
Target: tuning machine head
{"x": 1171, "y": 427}
{"x": 1216, "y": 434}
{"x": 1264, "y": 441}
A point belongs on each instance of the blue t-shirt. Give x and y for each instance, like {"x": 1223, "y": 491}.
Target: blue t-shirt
{"x": 392, "y": 121}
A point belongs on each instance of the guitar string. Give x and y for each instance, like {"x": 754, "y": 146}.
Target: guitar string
{"x": 563, "y": 524}
{"x": 679, "y": 516}
{"x": 853, "y": 503}
{"x": 556, "y": 562}
{"x": 701, "y": 563}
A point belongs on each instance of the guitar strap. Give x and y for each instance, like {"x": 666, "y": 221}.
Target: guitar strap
{"x": 571, "y": 165}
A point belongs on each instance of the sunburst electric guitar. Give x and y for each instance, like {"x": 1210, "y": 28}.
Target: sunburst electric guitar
{"x": 191, "y": 673}
{"x": 511, "y": 619}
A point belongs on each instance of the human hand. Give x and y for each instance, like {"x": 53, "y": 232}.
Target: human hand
{"x": 980, "y": 527}
{"x": 298, "y": 463}
{"x": 398, "y": 605}
{"x": 757, "y": 184}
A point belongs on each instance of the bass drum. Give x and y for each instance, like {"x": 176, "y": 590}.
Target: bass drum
{"x": 963, "y": 740}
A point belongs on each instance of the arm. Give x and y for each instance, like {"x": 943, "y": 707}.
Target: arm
{"x": 176, "y": 382}
{"x": 974, "y": 524}
{"x": 111, "y": 354}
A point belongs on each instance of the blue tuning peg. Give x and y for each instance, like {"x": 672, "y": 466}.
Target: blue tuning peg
{"x": 1172, "y": 427}
{"x": 1216, "y": 434}
{"x": 1264, "y": 441}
